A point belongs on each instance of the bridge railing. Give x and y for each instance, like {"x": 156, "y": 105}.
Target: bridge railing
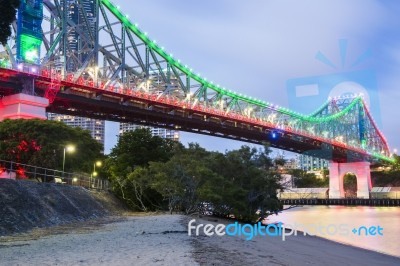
{"x": 190, "y": 103}
{"x": 13, "y": 170}
{"x": 57, "y": 77}
{"x": 389, "y": 202}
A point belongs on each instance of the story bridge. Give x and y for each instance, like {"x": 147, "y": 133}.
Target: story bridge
{"x": 87, "y": 58}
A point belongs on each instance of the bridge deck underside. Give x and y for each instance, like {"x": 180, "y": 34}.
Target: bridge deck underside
{"x": 113, "y": 106}
{"x": 201, "y": 123}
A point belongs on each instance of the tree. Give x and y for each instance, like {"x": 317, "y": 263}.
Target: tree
{"x": 249, "y": 186}
{"x": 138, "y": 148}
{"x": 42, "y": 142}
{"x": 387, "y": 175}
{"x": 8, "y": 11}
{"x": 350, "y": 185}
{"x": 137, "y": 192}
{"x": 302, "y": 179}
{"x": 182, "y": 181}
{"x": 127, "y": 167}
{"x": 150, "y": 173}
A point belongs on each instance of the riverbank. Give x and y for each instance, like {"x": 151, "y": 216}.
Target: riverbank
{"x": 342, "y": 220}
{"x": 25, "y": 205}
{"x": 163, "y": 240}
{"x": 295, "y": 250}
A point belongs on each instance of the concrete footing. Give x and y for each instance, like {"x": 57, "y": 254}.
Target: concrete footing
{"x": 23, "y": 106}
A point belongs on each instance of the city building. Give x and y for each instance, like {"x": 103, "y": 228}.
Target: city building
{"x": 161, "y": 132}
{"x": 309, "y": 163}
{"x": 82, "y": 13}
{"x": 96, "y": 127}
{"x": 292, "y": 163}
{"x": 79, "y": 49}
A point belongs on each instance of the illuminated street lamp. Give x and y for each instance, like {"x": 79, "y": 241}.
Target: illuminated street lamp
{"x": 94, "y": 173}
{"x": 69, "y": 149}
{"x": 98, "y": 164}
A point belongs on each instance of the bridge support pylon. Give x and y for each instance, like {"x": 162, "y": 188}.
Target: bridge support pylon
{"x": 23, "y": 106}
{"x": 337, "y": 171}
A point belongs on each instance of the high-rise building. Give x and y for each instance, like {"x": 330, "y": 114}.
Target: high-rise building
{"x": 80, "y": 43}
{"x": 81, "y": 37}
{"x": 96, "y": 127}
{"x": 161, "y": 132}
{"x": 309, "y": 163}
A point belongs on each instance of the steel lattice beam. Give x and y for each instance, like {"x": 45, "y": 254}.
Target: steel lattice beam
{"x": 126, "y": 60}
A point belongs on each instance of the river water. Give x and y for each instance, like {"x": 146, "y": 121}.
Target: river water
{"x": 337, "y": 223}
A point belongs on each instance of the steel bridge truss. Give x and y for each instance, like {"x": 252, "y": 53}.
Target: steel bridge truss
{"x": 106, "y": 51}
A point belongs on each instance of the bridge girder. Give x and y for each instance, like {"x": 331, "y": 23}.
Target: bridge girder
{"x": 127, "y": 60}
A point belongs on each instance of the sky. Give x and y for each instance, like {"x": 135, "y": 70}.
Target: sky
{"x": 262, "y": 47}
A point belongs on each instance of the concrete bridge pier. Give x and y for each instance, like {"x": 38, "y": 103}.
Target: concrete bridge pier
{"x": 337, "y": 172}
{"x": 23, "y": 106}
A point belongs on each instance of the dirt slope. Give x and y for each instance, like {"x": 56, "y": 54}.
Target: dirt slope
{"x": 25, "y": 205}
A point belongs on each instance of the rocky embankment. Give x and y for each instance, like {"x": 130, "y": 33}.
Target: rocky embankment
{"x": 25, "y": 205}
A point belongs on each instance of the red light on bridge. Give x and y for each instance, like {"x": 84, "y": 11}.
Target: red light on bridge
{"x": 45, "y": 72}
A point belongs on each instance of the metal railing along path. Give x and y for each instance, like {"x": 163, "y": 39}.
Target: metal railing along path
{"x": 13, "y": 170}
{"x": 344, "y": 202}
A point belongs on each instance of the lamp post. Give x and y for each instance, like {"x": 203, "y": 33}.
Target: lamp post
{"x": 98, "y": 164}
{"x": 70, "y": 149}
{"x": 94, "y": 173}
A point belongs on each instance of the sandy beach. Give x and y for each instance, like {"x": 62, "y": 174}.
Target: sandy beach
{"x": 163, "y": 240}
{"x": 147, "y": 240}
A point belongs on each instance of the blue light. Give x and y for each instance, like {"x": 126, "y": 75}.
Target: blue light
{"x": 274, "y": 135}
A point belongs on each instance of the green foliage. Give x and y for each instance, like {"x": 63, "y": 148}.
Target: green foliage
{"x": 150, "y": 173}
{"x": 350, "y": 185}
{"x": 138, "y": 148}
{"x": 386, "y": 178}
{"x": 127, "y": 167}
{"x": 42, "y": 142}
{"x": 137, "y": 192}
{"x": 184, "y": 181}
{"x": 302, "y": 179}
{"x": 387, "y": 175}
{"x": 396, "y": 166}
{"x": 8, "y": 11}
{"x": 249, "y": 183}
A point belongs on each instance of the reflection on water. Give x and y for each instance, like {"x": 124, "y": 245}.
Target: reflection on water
{"x": 349, "y": 217}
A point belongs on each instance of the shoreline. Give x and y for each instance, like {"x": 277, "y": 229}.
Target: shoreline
{"x": 353, "y": 246}
{"x": 163, "y": 239}
{"x": 342, "y": 220}
{"x": 303, "y": 244}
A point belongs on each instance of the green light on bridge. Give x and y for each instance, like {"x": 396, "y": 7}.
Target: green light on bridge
{"x": 30, "y": 48}
{"x": 176, "y": 63}
{"x": 133, "y": 27}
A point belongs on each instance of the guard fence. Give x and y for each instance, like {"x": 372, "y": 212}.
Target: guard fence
{"x": 13, "y": 170}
